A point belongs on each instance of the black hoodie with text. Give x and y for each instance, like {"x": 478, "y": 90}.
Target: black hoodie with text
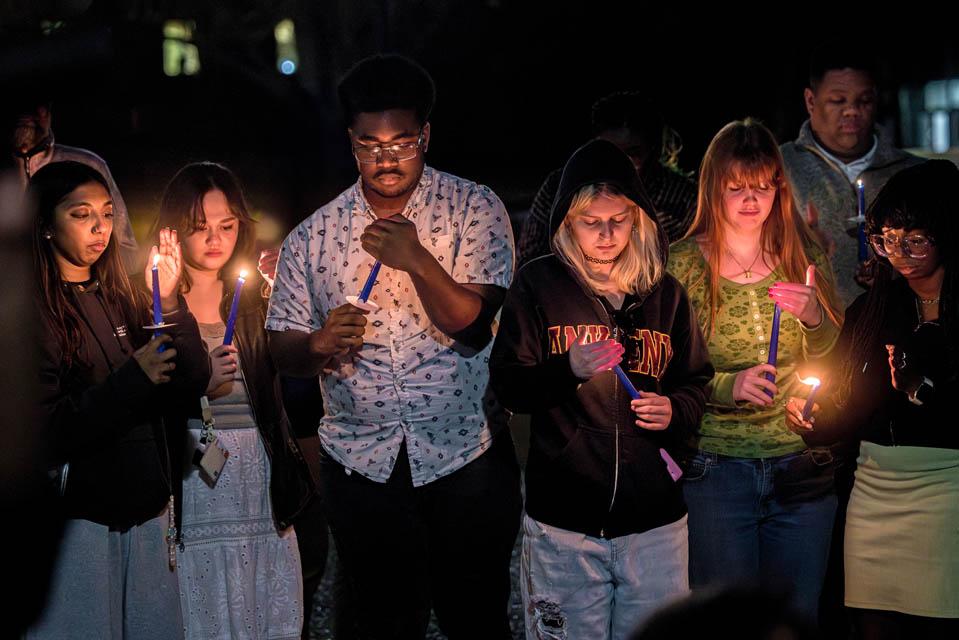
{"x": 590, "y": 468}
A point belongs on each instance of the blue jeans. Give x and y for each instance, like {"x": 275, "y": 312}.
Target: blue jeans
{"x": 578, "y": 587}
{"x": 765, "y": 520}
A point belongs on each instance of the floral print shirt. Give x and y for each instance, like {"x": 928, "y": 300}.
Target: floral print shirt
{"x": 409, "y": 381}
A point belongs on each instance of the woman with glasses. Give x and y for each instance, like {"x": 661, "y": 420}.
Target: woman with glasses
{"x": 761, "y": 504}
{"x": 605, "y": 538}
{"x": 894, "y": 388}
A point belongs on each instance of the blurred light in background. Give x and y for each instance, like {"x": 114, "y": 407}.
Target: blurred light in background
{"x": 287, "y": 57}
{"x": 180, "y": 55}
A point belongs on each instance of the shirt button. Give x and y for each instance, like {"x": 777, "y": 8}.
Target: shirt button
{"x": 760, "y": 337}
{"x": 756, "y": 316}
{"x": 762, "y": 352}
{"x": 752, "y": 293}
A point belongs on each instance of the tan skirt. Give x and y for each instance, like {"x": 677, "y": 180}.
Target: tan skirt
{"x": 902, "y": 531}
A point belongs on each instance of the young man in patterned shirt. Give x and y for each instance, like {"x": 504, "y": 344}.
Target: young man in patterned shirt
{"x": 418, "y": 475}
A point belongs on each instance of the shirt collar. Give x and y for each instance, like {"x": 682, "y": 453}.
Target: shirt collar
{"x": 852, "y": 170}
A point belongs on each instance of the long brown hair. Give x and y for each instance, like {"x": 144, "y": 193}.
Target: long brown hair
{"x": 49, "y": 187}
{"x": 182, "y": 209}
{"x": 746, "y": 152}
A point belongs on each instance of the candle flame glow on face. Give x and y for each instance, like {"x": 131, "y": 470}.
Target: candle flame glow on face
{"x": 156, "y": 259}
{"x": 811, "y": 381}
{"x": 243, "y": 274}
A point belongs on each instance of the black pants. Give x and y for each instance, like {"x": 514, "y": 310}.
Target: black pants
{"x": 446, "y": 544}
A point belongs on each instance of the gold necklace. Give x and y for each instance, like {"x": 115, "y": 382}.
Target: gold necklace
{"x": 747, "y": 271}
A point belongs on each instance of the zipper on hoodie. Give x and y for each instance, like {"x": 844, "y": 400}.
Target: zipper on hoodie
{"x": 614, "y": 331}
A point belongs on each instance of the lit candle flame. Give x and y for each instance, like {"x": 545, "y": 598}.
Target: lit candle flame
{"x": 811, "y": 381}
{"x": 156, "y": 259}
{"x": 859, "y": 183}
{"x": 243, "y": 274}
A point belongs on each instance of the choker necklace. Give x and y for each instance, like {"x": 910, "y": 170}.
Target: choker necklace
{"x": 598, "y": 260}
{"x": 930, "y": 301}
{"x": 746, "y": 271}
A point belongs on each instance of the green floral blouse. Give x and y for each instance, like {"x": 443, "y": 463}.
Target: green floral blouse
{"x": 740, "y": 340}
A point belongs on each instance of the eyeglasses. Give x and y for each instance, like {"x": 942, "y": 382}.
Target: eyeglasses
{"x": 912, "y": 246}
{"x": 368, "y": 154}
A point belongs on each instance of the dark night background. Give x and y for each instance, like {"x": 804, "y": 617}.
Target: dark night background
{"x": 515, "y": 82}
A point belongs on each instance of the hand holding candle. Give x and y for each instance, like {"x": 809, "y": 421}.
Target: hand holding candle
{"x": 799, "y": 299}
{"x": 362, "y": 301}
{"x": 811, "y": 398}
{"x": 234, "y": 308}
{"x": 163, "y": 277}
{"x": 654, "y": 412}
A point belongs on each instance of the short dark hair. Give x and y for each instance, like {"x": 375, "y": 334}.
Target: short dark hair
{"x": 835, "y": 55}
{"x": 631, "y": 110}
{"x": 383, "y": 82}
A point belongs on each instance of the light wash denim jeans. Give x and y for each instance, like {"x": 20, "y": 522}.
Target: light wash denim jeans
{"x": 577, "y": 587}
{"x": 762, "y": 520}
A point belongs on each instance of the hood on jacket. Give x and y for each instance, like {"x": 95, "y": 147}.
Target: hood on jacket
{"x": 600, "y": 161}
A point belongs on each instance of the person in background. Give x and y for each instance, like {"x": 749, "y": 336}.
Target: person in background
{"x": 30, "y": 121}
{"x": 634, "y": 124}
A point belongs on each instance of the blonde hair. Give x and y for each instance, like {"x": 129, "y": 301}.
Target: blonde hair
{"x": 745, "y": 152}
{"x": 637, "y": 268}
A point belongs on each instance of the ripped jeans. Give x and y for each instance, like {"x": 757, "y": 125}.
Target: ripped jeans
{"x": 575, "y": 586}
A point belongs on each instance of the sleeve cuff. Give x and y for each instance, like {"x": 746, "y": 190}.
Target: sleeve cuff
{"x": 721, "y": 390}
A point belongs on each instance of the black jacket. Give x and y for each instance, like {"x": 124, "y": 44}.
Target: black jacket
{"x": 875, "y": 411}
{"x": 590, "y": 468}
{"x": 119, "y": 433}
{"x": 291, "y": 486}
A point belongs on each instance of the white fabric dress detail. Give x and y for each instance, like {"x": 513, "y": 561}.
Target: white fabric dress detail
{"x": 239, "y": 579}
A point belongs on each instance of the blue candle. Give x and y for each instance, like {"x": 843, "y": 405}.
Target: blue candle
{"x": 370, "y": 281}
{"x": 811, "y": 398}
{"x": 671, "y": 467}
{"x": 861, "y": 231}
{"x": 231, "y": 320}
{"x": 157, "y": 309}
{"x": 773, "y": 346}
{"x": 630, "y": 389}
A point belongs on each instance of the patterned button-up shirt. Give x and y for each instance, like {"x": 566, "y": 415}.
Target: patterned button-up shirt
{"x": 409, "y": 380}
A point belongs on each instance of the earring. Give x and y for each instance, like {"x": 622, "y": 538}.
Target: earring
{"x": 47, "y": 235}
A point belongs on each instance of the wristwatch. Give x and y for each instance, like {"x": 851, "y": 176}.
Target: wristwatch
{"x": 922, "y": 393}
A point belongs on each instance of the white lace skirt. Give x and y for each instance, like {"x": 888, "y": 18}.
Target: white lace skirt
{"x": 238, "y": 578}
